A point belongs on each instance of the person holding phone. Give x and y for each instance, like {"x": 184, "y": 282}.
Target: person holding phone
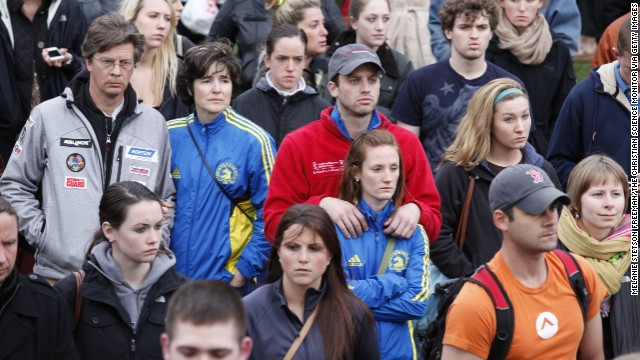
{"x": 29, "y": 74}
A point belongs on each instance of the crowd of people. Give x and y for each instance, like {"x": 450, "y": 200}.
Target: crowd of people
{"x": 295, "y": 185}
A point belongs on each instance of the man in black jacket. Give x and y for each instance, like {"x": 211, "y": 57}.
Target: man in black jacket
{"x": 33, "y": 324}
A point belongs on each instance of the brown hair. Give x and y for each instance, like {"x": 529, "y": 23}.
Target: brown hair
{"x": 595, "y": 170}
{"x": 349, "y": 189}
{"x": 5, "y": 207}
{"x": 470, "y": 9}
{"x": 199, "y": 59}
{"x": 111, "y": 30}
{"x": 339, "y": 308}
{"x": 624, "y": 37}
{"x": 356, "y": 7}
{"x": 205, "y": 302}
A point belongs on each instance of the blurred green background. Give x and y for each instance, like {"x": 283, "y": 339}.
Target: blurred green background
{"x": 581, "y": 69}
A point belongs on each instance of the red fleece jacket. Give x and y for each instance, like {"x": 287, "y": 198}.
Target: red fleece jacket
{"x": 309, "y": 167}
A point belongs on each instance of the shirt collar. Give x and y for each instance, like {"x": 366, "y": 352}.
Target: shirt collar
{"x": 301, "y": 85}
{"x": 621, "y": 84}
{"x": 373, "y": 124}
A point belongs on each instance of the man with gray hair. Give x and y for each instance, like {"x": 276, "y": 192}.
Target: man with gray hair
{"x": 73, "y": 146}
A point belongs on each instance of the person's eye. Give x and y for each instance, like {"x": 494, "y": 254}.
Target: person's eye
{"x": 526, "y": 116}
{"x": 158, "y": 226}
{"x": 372, "y": 19}
{"x": 292, "y": 247}
{"x": 395, "y": 168}
{"x": 373, "y": 81}
{"x": 386, "y": 18}
{"x": 140, "y": 230}
{"x": 508, "y": 119}
{"x": 298, "y": 60}
{"x": 616, "y": 194}
{"x": 354, "y": 81}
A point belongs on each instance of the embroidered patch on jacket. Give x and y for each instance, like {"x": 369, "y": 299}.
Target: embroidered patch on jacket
{"x": 139, "y": 170}
{"x": 175, "y": 174}
{"x": 136, "y": 153}
{"x": 75, "y": 162}
{"x": 75, "y": 183}
{"x": 327, "y": 167}
{"x": 399, "y": 260}
{"x": 355, "y": 261}
{"x": 30, "y": 122}
{"x": 227, "y": 173}
{"x": 17, "y": 149}
{"x": 80, "y": 143}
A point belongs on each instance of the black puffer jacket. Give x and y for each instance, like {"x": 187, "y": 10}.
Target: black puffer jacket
{"x": 247, "y": 23}
{"x": 34, "y": 323}
{"x": 277, "y": 114}
{"x": 104, "y": 330}
{"x": 483, "y": 239}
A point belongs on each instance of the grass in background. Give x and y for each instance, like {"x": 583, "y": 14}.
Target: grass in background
{"x": 581, "y": 69}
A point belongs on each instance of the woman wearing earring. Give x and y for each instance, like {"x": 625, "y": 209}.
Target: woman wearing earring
{"x": 369, "y": 21}
{"x": 307, "y": 297}
{"x": 389, "y": 275}
{"x": 221, "y": 166}
{"x": 281, "y": 101}
{"x": 155, "y": 75}
{"x": 491, "y": 136}
{"x": 524, "y": 46}
{"x": 129, "y": 280}
{"x": 596, "y": 227}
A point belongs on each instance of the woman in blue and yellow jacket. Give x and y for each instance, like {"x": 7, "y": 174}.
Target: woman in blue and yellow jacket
{"x": 391, "y": 276}
{"x": 221, "y": 166}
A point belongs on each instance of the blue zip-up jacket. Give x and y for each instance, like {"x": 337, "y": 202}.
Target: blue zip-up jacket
{"x": 595, "y": 119}
{"x": 211, "y": 237}
{"x": 397, "y": 296}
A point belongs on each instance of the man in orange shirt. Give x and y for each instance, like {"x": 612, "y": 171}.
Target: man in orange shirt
{"x": 548, "y": 320}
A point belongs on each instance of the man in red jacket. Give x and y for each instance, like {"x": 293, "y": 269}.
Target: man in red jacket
{"x": 310, "y": 160}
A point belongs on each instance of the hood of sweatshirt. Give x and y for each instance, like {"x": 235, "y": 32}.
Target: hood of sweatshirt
{"x": 131, "y": 299}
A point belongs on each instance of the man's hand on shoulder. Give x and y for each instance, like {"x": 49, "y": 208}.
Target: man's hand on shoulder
{"x": 344, "y": 214}
{"x": 403, "y": 222}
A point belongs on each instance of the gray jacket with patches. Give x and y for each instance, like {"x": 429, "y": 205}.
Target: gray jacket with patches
{"x": 58, "y": 153}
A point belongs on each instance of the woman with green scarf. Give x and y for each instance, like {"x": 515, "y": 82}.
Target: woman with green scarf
{"x": 596, "y": 227}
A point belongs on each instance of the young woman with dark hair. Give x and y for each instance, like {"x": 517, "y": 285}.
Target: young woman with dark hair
{"x": 391, "y": 276}
{"x": 129, "y": 278}
{"x": 221, "y": 166}
{"x": 306, "y": 282}
{"x": 281, "y": 101}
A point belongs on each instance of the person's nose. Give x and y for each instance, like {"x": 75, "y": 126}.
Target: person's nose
{"x": 3, "y": 255}
{"x": 323, "y": 30}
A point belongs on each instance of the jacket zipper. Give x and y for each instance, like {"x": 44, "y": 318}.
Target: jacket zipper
{"x": 133, "y": 345}
{"x": 108, "y": 129}
{"x": 119, "y": 159}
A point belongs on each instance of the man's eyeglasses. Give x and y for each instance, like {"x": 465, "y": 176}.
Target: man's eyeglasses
{"x": 109, "y": 64}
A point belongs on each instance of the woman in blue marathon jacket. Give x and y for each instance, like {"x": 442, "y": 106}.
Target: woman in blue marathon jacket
{"x": 221, "y": 166}
{"x": 129, "y": 280}
{"x": 390, "y": 275}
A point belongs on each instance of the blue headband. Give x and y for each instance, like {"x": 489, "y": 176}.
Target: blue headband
{"x": 505, "y": 93}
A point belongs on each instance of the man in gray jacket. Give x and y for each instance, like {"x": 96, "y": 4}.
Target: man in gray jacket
{"x": 73, "y": 146}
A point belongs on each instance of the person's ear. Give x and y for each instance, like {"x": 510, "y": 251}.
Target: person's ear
{"x": 164, "y": 344}
{"x": 108, "y": 231}
{"x": 246, "y": 345}
{"x": 267, "y": 60}
{"x": 353, "y": 22}
{"x": 501, "y": 220}
{"x": 88, "y": 64}
{"x": 447, "y": 34}
{"x": 333, "y": 89}
{"x": 615, "y": 52}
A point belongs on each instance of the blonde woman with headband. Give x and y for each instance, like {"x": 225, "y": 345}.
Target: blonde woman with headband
{"x": 491, "y": 136}
{"x": 596, "y": 227}
{"x": 155, "y": 76}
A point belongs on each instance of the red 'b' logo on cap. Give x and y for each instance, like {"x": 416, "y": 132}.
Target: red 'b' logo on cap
{"x": 535, "y": 174}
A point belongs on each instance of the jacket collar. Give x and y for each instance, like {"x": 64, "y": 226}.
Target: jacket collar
{"x": 375, "y": 218}
{"x": 265, "y": 86}
{"x": 311, "y": 298}
{"x": 374, "y": 123}
{"x": 605, "y": 82}
{"x": 530, "y": 157}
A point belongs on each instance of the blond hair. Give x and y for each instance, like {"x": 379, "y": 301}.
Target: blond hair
{"x": 293, "y": 11}
{"x": 164, "y": 64}
{"x": 473, "y": 136}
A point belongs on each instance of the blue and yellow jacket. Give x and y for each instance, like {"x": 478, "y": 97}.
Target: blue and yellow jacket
{"x": 211, "y": 237}
{"x": 397, "y": 296}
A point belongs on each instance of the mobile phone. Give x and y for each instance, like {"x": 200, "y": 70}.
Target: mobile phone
{"x": 55, "y": 54}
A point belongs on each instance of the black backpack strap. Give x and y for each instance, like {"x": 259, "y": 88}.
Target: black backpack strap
{"x": 504, "y": 311}
{"x": 576, "y": 279}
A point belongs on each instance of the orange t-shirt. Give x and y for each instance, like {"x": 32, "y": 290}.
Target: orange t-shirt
{"x": 548, "y": 320}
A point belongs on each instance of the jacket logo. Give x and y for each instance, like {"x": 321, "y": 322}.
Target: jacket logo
{"x": 139, "y": 171}
{"x": 226, "y": 173}
{"x": 136, "y": 153}
{"x": 399, "y": 261}
{"x": 75, "y": 183}
{"x": 355, "y": 261}
{"x": 327, "y": 166}
{"x": 81, "y": 143}
{"x": 75, "y": 162}
{"x": 17, "y": 149}
{"x": 175, "y": 174}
